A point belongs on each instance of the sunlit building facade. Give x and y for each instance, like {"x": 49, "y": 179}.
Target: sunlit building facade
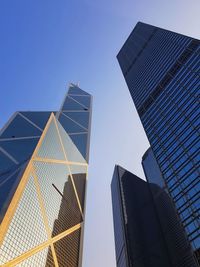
{"x": 43, "y": 177}
{"x": 161, "y": 69}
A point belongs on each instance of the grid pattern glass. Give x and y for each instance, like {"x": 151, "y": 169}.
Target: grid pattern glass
{"x": 79, "y": 177}
{"x": 67, "y": 250}
{"x": 58, "y": 195}
{"x": 51, "y": 146}
{"x": 51, "y": 198}
{"x": 21, "y": 234}
{"x": 8, "y": 184}
{"x": 41, "y": 259}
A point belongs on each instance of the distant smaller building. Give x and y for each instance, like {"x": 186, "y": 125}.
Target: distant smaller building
{"x": 140, "y": 235}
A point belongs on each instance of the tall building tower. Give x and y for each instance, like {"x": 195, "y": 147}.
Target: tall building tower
{"x": 161, "y": 69}
{"x": 43, "y": 176}
{"x": 146, "y": 226}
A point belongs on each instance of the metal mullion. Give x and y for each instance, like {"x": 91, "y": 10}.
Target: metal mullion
{"x": 14, "y": 202}
{"x": 54, "y": 255}
{"x": 69, "y": 169}
{"x": 44, "y": 215}
{"x": 41, "y": 246}
{"x": 48, "y": 160}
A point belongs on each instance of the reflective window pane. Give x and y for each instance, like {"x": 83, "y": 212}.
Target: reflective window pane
{"x": 70, "y": 104}
{"x": 8, "y": 184}
{"x": 58, "y": 195}
{"x": 21, "y": 235}
{"x": 85, "y": 100}
{"x": 5, "y": 162}
{"x": 76, "y": 91}
{"x": 39, "y": 118}
{"x": 80, "y": 140}
{"x": 81, "y": 117}
{"x": 20, "y": 127}
{"x": 51, "y": 146}
{"x": 41, "y": 259}
{"x": 69, "y": 125}
{"x": 21, "y": 149}
{"x": 71, "y": 150}
{"x": 67, "y": 249}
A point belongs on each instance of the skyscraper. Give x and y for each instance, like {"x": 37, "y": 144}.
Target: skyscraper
{"x": 43, "y": 176}
{"x": 161, "y": 69}
{"x": 175, "y": 238}
{"x": 144, "y": 234}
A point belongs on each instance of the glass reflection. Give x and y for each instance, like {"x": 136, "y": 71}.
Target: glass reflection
{"x": 21, "y": 235}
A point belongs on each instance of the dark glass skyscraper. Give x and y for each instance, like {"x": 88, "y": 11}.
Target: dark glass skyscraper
{"x": 43, "y": 172}
{"x": 147, "y": 230}
{"x": 162, "y": 69}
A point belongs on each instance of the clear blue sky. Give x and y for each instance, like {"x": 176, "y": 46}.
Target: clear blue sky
{"x": 46, "y": 44}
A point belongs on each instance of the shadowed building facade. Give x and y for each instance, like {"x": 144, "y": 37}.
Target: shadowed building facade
{"x": 147, "y": 229}
{"x": 161, "y": 69}
{"x": 43, "y": 177}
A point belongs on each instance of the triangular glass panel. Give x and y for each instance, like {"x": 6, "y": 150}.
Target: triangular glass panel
{"x": 26, "y": 227}
{"x": 5, "y": 162}
{"x": 85, "y": 100}
{"x": 70, "y": 126}
{"x": 80, "y": 141}
{"x": 21, "y": 149}
{"x": 79, "y": 174}
{"x": 51, "y": 146}
{"x": 39, "y": 118}
{"x": 80, "y": 117}
{"x": 43, "y": 258}
{"x": 75, "y": 90}
{"x": 19, "y": 127}
{"x": 71, "y": 104}
{"x": 71, "y": 150}
{"x": 9, "y": 181}
{"x": 59, "y": 197}
{"x": 64, "y": 248}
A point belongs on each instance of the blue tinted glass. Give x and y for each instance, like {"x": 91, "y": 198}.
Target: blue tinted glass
{"x": 69, "y": 125}
{"x": 19, "y": 127}
{"x": 72, "y": 152}
{"x": 81, "y": 117}
{"x": 76, "y": 91}
{"x": 20, "y": 149}
{"x": 80, "y": 140}
{"x": 39, "y": 118}
{"x": 8, "y": 185}
{"x": 85, "y": 100}
{"x": 196, "y": 242}
{"x": 70, "y": 104}
{"x": 5, "y": 162}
